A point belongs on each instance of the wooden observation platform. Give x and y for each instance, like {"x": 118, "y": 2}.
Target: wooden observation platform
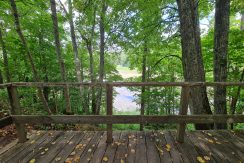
{"x": 129, "y": 146}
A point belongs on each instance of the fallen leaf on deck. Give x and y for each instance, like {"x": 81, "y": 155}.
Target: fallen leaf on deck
{"x": 57, "y": 158}
{"x": 209, "y": 134}
{"x": 33, "y": 141}
{"x": 122, "y": 161}
{"x": 132, "y": 150}
{"x": 53, "y": 143}
{"x": 77, "y": 159}
{"x": 70, "y": 142}
{"x": 42, "y": 153}
{"x": 105, "y": 158}
{"x": 200, "y": 159}
{"x": 210, "y": 141}
{"x": 32, "y": 160}
{"x": 206, "y": 158}
{"x": 126, "y": 155}
{"x": 46, "y": 149}
{"x": 217, "y": 142}
{"x": 89, "y": 150}
{"x": 72, "y": 154}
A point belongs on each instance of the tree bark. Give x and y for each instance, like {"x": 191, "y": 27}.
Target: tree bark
{"x": 242, "y": 21}
{"x": 193, "y": 68}
{"x": 143, "y": 79}
{"x": 29, "y": 55}
{"x": 102, "y": 51}
{"x": 221, "y": 31}
{"x": 59, "y": 54}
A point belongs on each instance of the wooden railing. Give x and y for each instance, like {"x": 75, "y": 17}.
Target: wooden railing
{"x": 182, "y": 119}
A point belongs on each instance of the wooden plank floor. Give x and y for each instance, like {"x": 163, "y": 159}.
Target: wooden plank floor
{"x": 131, "y": 146}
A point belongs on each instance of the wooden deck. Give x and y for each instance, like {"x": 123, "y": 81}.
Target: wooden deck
{"x": 136, "y": 147}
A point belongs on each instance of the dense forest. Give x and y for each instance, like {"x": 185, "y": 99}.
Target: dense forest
{"x": 91, "y": 40}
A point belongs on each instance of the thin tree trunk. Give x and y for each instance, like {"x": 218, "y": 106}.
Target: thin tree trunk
{"x": 192, "y": 58}
{"x": 221, "y": 31}
{"x": 102, "y": 51}
{"x": 143, "y": 79}
{"x": 29, "y": 55}
{"x": 1, "y": 77}
{"x": 242, "y": 21}
{"x": 78, "y": 63}
{"x": 59, "y": 54}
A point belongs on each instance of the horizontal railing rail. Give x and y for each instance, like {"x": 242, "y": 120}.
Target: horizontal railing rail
{"x": 182, "y": 119}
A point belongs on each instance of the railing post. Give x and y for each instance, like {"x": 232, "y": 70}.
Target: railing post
{"x": 183, "y": 111}
{"x": 15, "y": 110}
{"x": 109, "y": 102}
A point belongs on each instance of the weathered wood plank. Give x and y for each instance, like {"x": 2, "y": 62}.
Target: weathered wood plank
{"x": 200, "y": 147}
{"x": 132, "y": 140}
{"x": 183, "y": 111}
{"x": 69, "y": 147}
{"x": 111, "y": 148}
{"x": 121, "y": 152}
{"x": 176, "y": 156}
{"x": 36, "y": 152}
{"x": 152, "y": 151}
{"x": 141, "y": 152}
{"x": 91, "y": 147}
{"x": 187, "y": 149}
{"x": 82, "y": 146}
{"x": 232, "y": 154}
{"x": 126, "y": 119}
{"x": 118, "y": 84}
{"x": 100, "y": 150}
{"x": 161, "y": 146}
{"x": 20, "y": 146}
{"x": 109, "y": 103}
{"x": 54, "y": 149}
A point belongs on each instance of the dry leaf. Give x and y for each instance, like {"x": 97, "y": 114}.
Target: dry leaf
{"x": 33, "y": 141}
{"x": 168, "y": 146}
{"x": 200, "y": 159}
{"x": 53, "y": 143}
{"x": 126, "y": 155}
{"x": 89, "y": 150}
{"x": 77, "y": 159}
{"x": 57, "y": 158}
{"x": 132, "y": 150}
{"x": 46, "y": 149}
{"x": 209, "y": 134}
{"x": 72, "y": 154}
{"x": 42, "y": 153}
{"x": 32, "y": 160}
{"x": 105, "y": 158}
{"x": 122, "y": 161}
{"x": 217, "y": 142}
{"x": 210, "y": 141}
{"x": 206, "y": 158}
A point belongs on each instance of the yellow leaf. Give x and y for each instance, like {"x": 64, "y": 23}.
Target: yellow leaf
{"x": 33, "y": 141}
{"x": 77, "y": 159}
{"x": 200, "y": 159}
{"x": 122, "y": 161}
{"x": 210, "y": 141}
{"x": 33, "y": 160}
{"x": 168, "y": 146}
{"x": 46, "y": 149}
{"x": 217, "y": 142}
{"x": 210, "y": 134}
{"x": 206, "y": 158}
{"x": 105, "y": 158}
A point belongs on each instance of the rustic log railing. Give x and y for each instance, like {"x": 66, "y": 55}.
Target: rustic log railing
{"x": 182, "y": 119}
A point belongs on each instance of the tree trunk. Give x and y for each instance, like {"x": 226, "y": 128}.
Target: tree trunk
{"x": 242, "y": 21}
{"x": 143, "y": 79}
{"x": 1, "y": 77}
{"x": 193, "y": 68}
{"x": 78, "y": 63}
{"x": 102, "y": 51}
{"x": 221, "y": 31}
{"x": 59, "y": 54}
{"x": 29, "y": 55}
